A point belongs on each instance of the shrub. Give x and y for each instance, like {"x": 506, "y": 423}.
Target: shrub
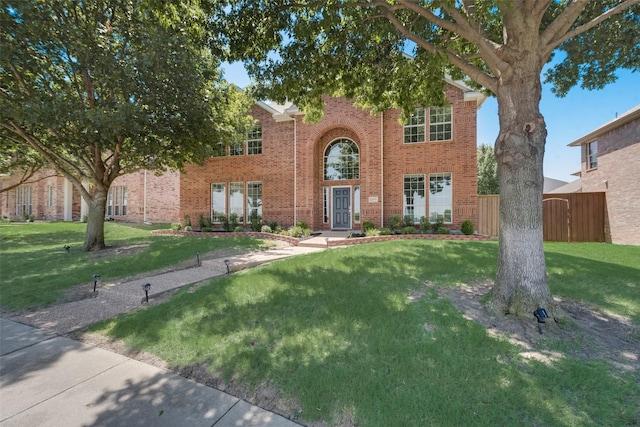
{"x": 394, "y": 222}
{"x": 206, "y": 229}
{"x": 188, "y": 228}
{"x": 302, "y": 225}
{"x": 203, "y": 222}
{"x": 467, "y": 227}
{"x": 187, "y": 221}
{"x": 368, "y": 225}
{"x": 409, "y": 230}
{"x": 266, "y": 229}
{"x": 274, "y": 225}
{"x": 371, "y": 232}
{"x": 407, "y": 221}
{"x": 176, "y": 226}
{"x": 238, "y": 229}
{"x": 443, "y": 230}
{"x": 438, "y": 224}
{"x": 226, "y": 225}
{"x": 298, "y": 231}
{"x": 425, "y": 225}
{"x": 384, "y": 231}
{"x": 255, "y": 221}
{"x": 233, "y": 221}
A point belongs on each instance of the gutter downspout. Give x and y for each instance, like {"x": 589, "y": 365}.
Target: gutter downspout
{"x": 295, "y": 170}
{"x": 144, "y": 199}
{"x": 382, "y": 169}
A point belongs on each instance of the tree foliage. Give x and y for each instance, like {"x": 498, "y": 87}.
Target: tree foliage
{"x": 103, "y": 88}
{"x": 384, "y": 53}
{"x": 487, "y": 171}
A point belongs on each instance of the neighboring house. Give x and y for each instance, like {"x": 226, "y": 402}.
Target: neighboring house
{"x": 551, "y": 184}
{"x": 611, "y": 163}
{"x": 351, "y": 166}
{"x": 136, "y": 197}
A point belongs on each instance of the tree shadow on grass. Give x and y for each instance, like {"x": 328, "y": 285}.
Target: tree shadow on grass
{"x": 333, "y": 338}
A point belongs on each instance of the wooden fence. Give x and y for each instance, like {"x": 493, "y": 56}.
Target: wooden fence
{"x": 567, "y": 217}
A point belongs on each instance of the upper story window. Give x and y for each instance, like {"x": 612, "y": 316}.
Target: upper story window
{"x": 440, "y": 123}
{"x": 592, "y": 155}
{"x": 341, "y": 160}
{"x": 414, "y": 129}
{"x": 254, "y": 140}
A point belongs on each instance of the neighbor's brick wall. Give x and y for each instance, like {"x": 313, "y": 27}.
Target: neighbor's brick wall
{"x": 618, "y": 164}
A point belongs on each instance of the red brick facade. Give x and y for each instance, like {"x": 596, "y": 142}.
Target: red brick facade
{"x": 291, "y": 166}
{"x": 617, "y": 173}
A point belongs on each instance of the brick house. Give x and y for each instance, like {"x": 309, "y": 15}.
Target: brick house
{"x": 349, "y": 167}
{"x": 610, "y": 163}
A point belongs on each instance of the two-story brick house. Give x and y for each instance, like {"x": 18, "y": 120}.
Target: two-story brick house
{"x": 349, "y": 167}
{"x": 611, "y": 163}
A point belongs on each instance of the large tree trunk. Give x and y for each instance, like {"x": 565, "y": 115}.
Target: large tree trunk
{"x": 521, "y": 282}
{"x": 94, "y": 237}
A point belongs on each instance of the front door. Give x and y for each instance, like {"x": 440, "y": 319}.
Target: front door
{"x": 342, "y": 208}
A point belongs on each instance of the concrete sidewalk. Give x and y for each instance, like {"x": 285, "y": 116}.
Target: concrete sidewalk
{"x": 47, "y": 379}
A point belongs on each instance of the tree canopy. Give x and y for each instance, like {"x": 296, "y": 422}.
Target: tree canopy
{"x": 396, "y": 53}
{"x": 487, "y": 171}
{"x": 103, "y": 88}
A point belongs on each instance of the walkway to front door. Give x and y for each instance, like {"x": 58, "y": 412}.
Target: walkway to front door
{"x": 342, "y": 208}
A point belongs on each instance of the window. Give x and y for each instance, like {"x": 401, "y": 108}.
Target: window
{"x": 219, "y": 150}
{"x": 237, "y": 149}
{"x": 50, "y": 195}
{"x": 236, "y": 199}
{"x": 325, "y": 205}
{"x": 414, "y": 197}
{"x": 254, "y": 140}
{"x": 356, "y": 204}
{"x": 440, "y": 197}
{"x": 218, "y": 201}
{"x": 117, "y": 201}
{"x": 341, "y": 160}
{"x": 440, "y": 123}
{"x": 24, "y": 200}
{"x": 592, "y": 155}
{"x": 254, "y": 199}
{"x": 414, "y": 129}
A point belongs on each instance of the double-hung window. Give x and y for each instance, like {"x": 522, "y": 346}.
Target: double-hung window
{"x": 592, "y": 155}
{"x": 414, "y": 129}
{"x": 414, "y": 201}
{"x": 254, "y": 199}
{"x": 254, "y": 140}
{"x": 440, "y": 124}
{"x": 218, "y": 201}
{"x": 440, "y": 197}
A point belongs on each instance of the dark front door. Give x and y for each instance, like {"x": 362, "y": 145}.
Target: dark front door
{"x": 342, "y": 208}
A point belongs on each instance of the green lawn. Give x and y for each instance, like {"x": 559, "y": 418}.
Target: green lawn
{"x": 35, "y": 269}
{"x": 335, "y": 331}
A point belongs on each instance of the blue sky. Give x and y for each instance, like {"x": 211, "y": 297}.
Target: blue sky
{"x": 567, "y": 118}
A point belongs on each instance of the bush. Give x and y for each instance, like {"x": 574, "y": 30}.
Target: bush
{"x": 206, "y": 229}
{"x": 384, "y": 231}
{"x": 394, "y": 222}
{"x": 407, "y": 221}
{"x": 298, "y": 231}
{"x": 176, "y": 226}
{"x": 443, "y": 230}
{"x": 409, "y": 229}
{"x": 302, "y": 225}
{"x": 224, "y": 221}
{"x": 238, "y": 229}
{"x": 371, "y": 232}
{"x": 266, "y": 229}
{"x": 438, "y": 224}
{"x": 187, "y": 221}
{"x": 188, "y": 228}
{"x": 233, "y": 221}
{"x": 425, "y": 225}
{"x": 467, "y": 227}
{"x": 255, "y": 221}
{"x": 274, "y": 225}
{"x": 368, "y": 225}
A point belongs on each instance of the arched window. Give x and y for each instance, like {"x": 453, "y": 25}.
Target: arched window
{"x": 341, "y": 160}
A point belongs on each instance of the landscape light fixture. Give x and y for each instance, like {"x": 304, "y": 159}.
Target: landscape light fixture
{"x": 96, "y": 277}
{"x": 226, "y": 262}
{"x": 198, "y": 259}
{"x": 67, "y": 248}
{"x": 541, "y": 315}
{"x": 146, "y": 288}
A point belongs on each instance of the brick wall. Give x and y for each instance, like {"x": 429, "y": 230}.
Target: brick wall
{"x": 618, "y": 175}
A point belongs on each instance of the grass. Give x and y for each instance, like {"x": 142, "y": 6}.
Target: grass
{"x": 35, "y": 270}
{"x": 336, "y": 332}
